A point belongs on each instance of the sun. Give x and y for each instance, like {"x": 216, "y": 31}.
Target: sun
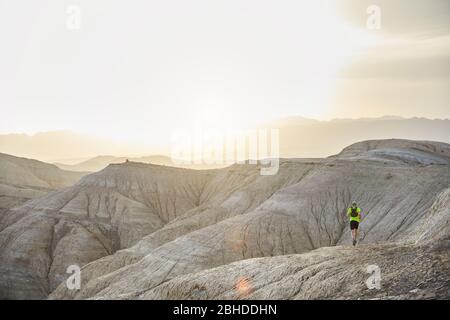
{"x": 215, "y": 113}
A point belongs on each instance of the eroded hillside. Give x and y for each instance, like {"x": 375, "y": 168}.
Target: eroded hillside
{"x": 413, "y": 270}
{"x": 140, "y": 230}
{"x": 23, "y": 179}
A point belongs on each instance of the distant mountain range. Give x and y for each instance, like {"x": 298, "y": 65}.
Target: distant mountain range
{"x": 100, "y": 162}
{"x": 54, "y": 145}
{"x": 299, "y": 137}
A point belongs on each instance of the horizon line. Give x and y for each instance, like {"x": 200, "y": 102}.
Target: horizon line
{"x": 384, "y": 117}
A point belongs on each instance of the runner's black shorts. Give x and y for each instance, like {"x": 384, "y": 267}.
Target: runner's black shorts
{"x": 354, "y": 224}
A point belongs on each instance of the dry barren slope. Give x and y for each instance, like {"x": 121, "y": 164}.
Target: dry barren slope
{"x": 102, "y": 213}
{"x": 307, "y": 213}
{"x": 415, "y": 270}
{"x": 22, "y": 179}
{"x": 114, "y": 208}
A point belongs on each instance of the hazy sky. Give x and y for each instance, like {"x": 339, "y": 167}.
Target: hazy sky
{"x": 135, "y": 70}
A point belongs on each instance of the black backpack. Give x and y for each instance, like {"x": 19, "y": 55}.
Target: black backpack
{"x": 354, "y": 212}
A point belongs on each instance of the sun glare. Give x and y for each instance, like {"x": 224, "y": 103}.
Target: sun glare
{"x": 321, "y": 44}
{"x": 320, "y": 55}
